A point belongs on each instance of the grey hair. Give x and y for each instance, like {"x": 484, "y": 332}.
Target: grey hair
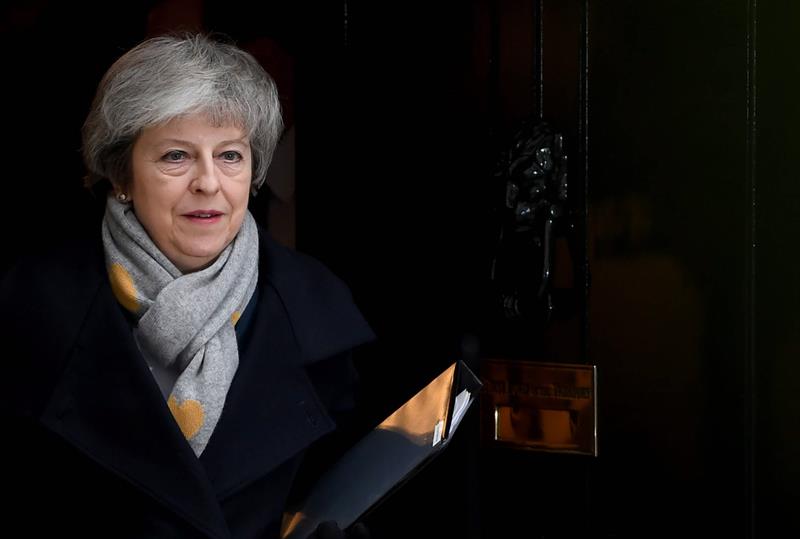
{"x": 170, "y": 76}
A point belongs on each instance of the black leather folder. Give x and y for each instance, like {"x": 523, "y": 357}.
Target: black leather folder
{"x": 388, "y": 456}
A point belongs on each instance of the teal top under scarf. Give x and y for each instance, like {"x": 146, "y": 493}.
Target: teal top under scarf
{"x": 185, "y": 322}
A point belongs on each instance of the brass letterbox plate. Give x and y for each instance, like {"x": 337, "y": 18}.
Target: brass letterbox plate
{"x": 539, "y": 406}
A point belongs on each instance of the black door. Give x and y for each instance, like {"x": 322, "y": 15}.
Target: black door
{"x": 678, "y": 121}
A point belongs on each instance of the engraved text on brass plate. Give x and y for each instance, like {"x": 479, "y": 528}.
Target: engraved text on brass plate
{"x": 539, "y": 406}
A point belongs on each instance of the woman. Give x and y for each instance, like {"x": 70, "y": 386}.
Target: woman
{"x": 168, "y": 376}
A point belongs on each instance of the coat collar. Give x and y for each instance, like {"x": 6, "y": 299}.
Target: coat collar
{"x": 108, "y": 406}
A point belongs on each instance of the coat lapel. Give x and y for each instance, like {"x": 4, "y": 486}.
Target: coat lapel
{"x": 272, "y": 411}
{"x": 108, "y": 406}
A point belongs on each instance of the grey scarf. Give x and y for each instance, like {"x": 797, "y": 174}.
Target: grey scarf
{"x": 185, "y": 322}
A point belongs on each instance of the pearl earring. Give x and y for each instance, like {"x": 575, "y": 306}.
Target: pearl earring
{"x": 122, "y": 197}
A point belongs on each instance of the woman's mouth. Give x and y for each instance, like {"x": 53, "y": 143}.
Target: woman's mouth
{"x": 204, "y": 216}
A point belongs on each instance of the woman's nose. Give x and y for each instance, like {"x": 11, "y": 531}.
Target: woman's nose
{"x": 205, "y": 176}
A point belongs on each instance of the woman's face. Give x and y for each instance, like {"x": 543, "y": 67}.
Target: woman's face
{"x": 190, "y": 187}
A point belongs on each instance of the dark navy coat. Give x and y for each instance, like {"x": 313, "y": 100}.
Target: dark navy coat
{"x": 89, "y": 447}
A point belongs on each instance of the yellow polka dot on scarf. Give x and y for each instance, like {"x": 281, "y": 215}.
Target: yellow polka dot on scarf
{"x": 123, "y": 287}
{"x": 189, "y": 415}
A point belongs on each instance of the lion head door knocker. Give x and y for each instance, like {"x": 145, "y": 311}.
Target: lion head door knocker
{"x": 531, "y": 179}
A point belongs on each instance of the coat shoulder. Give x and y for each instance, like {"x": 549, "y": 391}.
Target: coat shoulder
{"x": 320, "y": 305}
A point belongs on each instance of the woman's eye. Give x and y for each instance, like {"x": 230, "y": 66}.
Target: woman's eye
{"x": 174, "y": 156}
{"x": 231, "y": 156}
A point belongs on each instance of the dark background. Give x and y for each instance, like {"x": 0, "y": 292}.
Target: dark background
{"x": 680, "y": 119}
